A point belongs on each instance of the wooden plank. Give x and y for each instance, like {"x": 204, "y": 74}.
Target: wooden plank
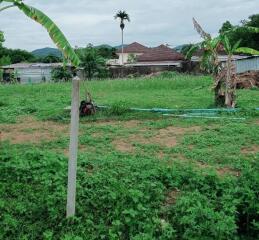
{"x": 73, "y": 150}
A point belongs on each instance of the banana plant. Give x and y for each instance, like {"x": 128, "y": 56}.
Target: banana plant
{"x": 209, "y": 46}
{"x": 61, "y": 42}
{"x": 223, "y": 75}
{"x": 230, "y": 81}
{"x": 54, "y": 32}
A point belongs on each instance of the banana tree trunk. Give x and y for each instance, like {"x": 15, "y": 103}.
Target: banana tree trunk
{"x": 219, "y": 94}
{"x": 230, "y": 93}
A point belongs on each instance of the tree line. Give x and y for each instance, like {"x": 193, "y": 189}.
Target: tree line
{"x": 248, "y": 38}
{"x": 236, "y": 33}
{"x": 12, "y": 56}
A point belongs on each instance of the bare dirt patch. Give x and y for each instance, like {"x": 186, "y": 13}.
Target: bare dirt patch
{"x": 131, "y": 124}
{"x": 220, "y": 171}
{"x": 167, "y": 141}
{"x": 82, "y": 149}
{"x": 123, "y": 146}
{"x": 171, "y": 197}
{"x": 203, "y": 165}
{"x": 250, "y": 150}
{"x": 97, "y": 135}
{"x": 29, "y": 130}
{"x": 227, "y": 171}
{"x": 126, "y": 124}
{"x": 166, "y": 137}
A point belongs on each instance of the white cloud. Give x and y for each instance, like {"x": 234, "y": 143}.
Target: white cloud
{"x": 153, "y": 22}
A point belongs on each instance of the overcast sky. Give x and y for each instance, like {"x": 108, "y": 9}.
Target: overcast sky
{"x": 152, "y": 21}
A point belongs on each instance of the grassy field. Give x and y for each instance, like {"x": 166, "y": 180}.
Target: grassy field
{"x": 47, "y": 101}
{"x": 140, "y": 176}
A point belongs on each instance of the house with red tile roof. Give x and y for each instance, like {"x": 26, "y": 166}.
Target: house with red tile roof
{"x": 130, "y": 52}
{"x": 137, "y": 54}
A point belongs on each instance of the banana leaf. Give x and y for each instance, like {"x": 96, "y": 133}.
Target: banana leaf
{"x": 54, "y": 32}
{"x": 246, "y": 50}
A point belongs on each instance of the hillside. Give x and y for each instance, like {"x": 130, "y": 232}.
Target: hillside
{"x": 43, "y": 52}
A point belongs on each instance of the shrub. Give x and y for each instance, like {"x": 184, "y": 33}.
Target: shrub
{"x": 61, "y": 74}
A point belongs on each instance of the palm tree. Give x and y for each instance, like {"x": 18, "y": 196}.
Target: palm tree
{"x": 123, "y": 16}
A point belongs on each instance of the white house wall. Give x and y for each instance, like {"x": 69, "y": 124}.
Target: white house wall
{"x": 126, "y": 57}
{"x": 33, "y": 75}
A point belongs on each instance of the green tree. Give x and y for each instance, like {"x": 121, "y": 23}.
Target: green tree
{"x": 186, "y": 48}
{"x": 226, "y": 27}
{"x": 123, "y": 16}
{"x": 107, "y": 52}
{"x": 253, "y": 21}
{"x": 1, "y": 38}
{"x": 91, "y": 61}
{"x": 249, "y": 38}
{"x": 61, "y": 74}
{"x": 50, "y": 59}
{"x": 5, "y": 60}
{"x": 17, "y": 55}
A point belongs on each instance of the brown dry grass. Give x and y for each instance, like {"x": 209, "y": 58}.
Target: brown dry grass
{"x": 29, "y": 130}
{"x": 166, "y": 137}
{"x": 250, "y": 150}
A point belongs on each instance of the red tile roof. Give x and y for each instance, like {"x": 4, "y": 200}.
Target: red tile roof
{"x": 134, "y": 48}
{"x": 160, "y": 53}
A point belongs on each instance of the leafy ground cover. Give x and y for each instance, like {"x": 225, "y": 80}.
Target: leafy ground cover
{"x": 140, "y": 176}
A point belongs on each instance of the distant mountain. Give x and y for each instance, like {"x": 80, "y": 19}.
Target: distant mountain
{"x": 43, "y": 52}
{"x": 104, "y": 46}
{"x": 180, "y": 47}
{"x": 120, "y": 46}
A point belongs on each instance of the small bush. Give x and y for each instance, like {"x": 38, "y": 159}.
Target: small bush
{"x": 119, "y": 108}
{"x": 61, "y": 74}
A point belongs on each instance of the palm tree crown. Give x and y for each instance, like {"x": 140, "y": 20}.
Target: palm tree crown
{"x": 123, "y": 16}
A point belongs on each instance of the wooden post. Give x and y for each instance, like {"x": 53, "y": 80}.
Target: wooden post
{"x": 73, "y": 149}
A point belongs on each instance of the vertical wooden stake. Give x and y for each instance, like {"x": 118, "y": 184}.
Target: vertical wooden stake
{"x": 73, "y": 149}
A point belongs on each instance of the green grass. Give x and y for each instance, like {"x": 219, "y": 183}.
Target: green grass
{"x": 171, "y": 91}
{"x": 204, "y": 187}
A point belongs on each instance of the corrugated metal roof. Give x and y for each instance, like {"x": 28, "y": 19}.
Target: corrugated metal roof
{"x": 222, "y": 58}
{"x": 32, "y": 65}
{"x": 156, "y": 63}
